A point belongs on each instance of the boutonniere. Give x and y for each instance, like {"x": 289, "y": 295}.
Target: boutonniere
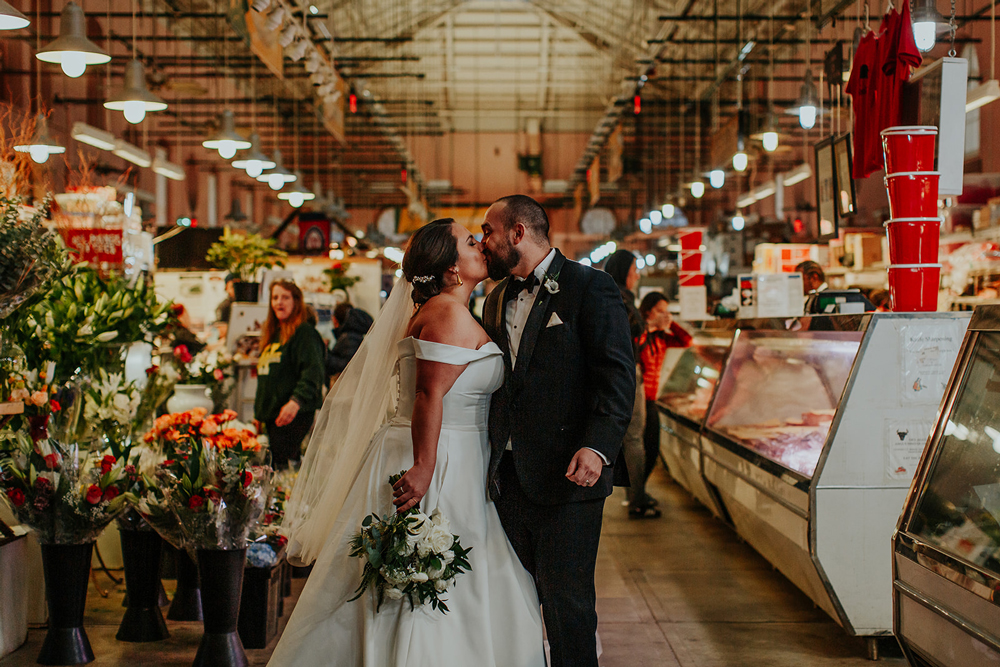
{"x": 551, "y": 283}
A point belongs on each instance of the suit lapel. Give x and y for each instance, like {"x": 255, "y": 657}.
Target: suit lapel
{"x": 500, "y": 322}
{"x": 535, "y": 321}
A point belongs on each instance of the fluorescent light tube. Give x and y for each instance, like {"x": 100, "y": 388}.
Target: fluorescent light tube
{"x": 168, "y": 169}
{"x": 92, "y": 136}
{"x": 982, "y": 95}
{"x": 797, "y": 175}
{"x": 132, "y": 153}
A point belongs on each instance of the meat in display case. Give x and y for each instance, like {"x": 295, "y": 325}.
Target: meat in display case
{"x": 946, "y": 557}
{"x": 688, "y": 389}
{"x": 780, "y": 392}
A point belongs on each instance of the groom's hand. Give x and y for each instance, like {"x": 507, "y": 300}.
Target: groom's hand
{"x": 585, "y": 468}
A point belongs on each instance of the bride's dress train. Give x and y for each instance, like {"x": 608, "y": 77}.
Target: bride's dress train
{"x": 494, "y": 618}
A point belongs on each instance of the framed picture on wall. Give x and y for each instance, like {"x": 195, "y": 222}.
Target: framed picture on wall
{"x": 826, "y": 190}
{"x": 844, "y": 182}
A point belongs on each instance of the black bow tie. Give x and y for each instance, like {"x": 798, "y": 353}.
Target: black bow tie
{"x": 517, "y": 285}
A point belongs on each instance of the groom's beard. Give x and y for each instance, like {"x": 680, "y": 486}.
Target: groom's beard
{"x": 499, "y": 266}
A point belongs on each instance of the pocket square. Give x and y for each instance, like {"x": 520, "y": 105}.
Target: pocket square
{"x": 554, "y": 321}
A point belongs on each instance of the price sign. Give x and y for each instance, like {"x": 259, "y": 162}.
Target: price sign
{"x": 100, "y": 247}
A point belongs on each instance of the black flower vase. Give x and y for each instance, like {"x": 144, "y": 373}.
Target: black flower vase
{"x": 222, "y": 584}
{"x": 143, "y": 621}
{"x": 67, "y": 569}
{"x": 186, "y": 605}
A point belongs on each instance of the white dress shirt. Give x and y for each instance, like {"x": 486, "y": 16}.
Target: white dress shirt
{"x": 517, "y": 316}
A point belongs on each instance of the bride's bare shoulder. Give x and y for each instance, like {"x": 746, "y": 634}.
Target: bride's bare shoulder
{"x": 445, "y": 320}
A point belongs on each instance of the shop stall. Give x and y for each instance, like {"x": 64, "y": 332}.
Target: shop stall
{"x": 946, "y": 550}
{"x": 809, "y": 442}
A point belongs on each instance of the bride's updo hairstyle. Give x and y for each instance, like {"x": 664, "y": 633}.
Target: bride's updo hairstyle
{"x": 432, "y": 251}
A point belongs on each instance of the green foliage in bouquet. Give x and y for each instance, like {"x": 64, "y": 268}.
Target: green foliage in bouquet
{"x": 409, "y": 555}
{"x": 82, "y": 321}
{"x": 243, "y": 254}
{"x": 30, "y": 254}
{"x": 337, "y": 278}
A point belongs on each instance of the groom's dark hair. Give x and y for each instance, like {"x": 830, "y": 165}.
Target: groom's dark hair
{"x": 524, "y": 209}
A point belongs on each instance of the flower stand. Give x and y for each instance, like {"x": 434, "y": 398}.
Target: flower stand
{"x": 187, "y": 598}
{"x": 222, "y": 583}
{"x": 67, "y": 569}
{"x": 143, "y": 621}
{"x": 260, "y": 605}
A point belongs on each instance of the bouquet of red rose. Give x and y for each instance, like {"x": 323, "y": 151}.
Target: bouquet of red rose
{"x": 65, "y": 494}
{"x": 214, "y": 481}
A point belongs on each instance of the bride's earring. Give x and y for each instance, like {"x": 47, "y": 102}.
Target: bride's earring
{"x": 460, "y": 283}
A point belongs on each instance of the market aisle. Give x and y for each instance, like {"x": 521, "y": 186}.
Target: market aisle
{"x": 678, "y": 591}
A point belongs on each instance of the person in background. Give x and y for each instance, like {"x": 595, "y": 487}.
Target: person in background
{"x": 880, "y": 299}
{"x": 350, "y": 325}
{"x": 290, "y": 372}
{"x": 661, "y": 333}
{"x": 621, "y": 266}
{"x": 813, "y": 281}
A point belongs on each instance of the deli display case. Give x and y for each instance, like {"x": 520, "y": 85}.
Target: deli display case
{"x": 810, "y": 440}
{"x": 687, "y": 384}
{"x": 946, "y": 550}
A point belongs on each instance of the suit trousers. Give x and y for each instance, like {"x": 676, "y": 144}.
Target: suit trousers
{"x": 557, "y": 544}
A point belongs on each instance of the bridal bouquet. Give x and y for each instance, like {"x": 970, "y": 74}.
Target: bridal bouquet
{"x": 409, "y": 555}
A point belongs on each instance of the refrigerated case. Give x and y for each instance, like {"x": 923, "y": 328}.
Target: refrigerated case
{"x": 687, "y": 384}
{"x": 810, "y": 440}
{"x": 946, "y": 551}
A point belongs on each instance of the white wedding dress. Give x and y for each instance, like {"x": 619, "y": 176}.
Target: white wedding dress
{"x": 494, "y": 618}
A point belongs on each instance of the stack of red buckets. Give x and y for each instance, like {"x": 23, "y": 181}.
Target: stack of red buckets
{"x": 914, "y": 227}
{"x": 691, "y": 274}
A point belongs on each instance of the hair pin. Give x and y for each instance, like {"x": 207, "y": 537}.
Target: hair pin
{"x": 423, "y": 279}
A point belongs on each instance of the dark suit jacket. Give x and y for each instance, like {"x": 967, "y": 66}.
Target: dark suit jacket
{"x": 573, "y": 385}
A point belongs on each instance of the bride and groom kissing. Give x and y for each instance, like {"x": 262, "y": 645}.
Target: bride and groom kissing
{"x": 510, "y": 431}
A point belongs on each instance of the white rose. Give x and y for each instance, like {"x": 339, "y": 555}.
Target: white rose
{"x": 440, "y": 520}
{"x": 436, "y": 572}
{"x": 394, "y": 593}
{"x": 448, "y": 556}
{"x": 424, "y": 548}
{"x": 440, "y": 540}
{"x": 441, "y": 585}
{"x": 123, "y": 408}
{"x": 419, "y": 577}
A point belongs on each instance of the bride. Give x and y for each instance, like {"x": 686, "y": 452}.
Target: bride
{"x": 445, "y": 369}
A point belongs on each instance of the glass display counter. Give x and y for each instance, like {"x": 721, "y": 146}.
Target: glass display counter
{"x": 687, "y": 384}
{"x": 947, "y": 549}
{"x": 811, "y": 439}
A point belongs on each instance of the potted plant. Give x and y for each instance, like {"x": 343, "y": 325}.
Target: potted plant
{"x": 337, "y": 278}
{"x": 243, "y": 255}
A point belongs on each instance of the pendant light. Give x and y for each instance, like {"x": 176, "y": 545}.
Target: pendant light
{"x": 135, "y": 99}
{"x": 717, "y": 178}
{"x": 278, "y": 176}
{"x": 227, "y": 140}
{"x": 72, "y": 50}
{"x": 298, "y": 195}
{"x": 11, "y": 19}
{"x": 696, "y": 183}
{"x": 668, "y": 211}
{"x": 988, "y": 91}
{"x": 769, "y": 137}
{"x": 807, "y": 106}
{"x": 41, "y": 145}
{"x": 927, "y": 24}
{"x": 254, "y": 162}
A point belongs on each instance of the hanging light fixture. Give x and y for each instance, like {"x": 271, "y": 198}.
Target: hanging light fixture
{"x": 72, "y": 50}
{"x": 11, "y": 19}
{"x": 697, "y": 187}
{"x": 254, "y": 162}
{"x": 738, "y": 221}
{"x": 717, "y": 178}
{"x": 927, "y": 24}
{"x": 135, "y": 99}
{"x": 227, "y": 140}
{"x": 807, "y": 106}
{"x": 278, "y": 176}
{"x": 668, "y": 211}
{"x": 41, "y": 145}
{"x": 770, "y": 135}
{"x": 298, "y": 195}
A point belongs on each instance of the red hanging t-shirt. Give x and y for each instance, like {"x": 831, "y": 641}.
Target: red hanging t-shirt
{"x": 862, "y": 91}
{"x": 897, "y": 58}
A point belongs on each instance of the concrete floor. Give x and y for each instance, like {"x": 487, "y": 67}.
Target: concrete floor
{"x": 680, "y": 591}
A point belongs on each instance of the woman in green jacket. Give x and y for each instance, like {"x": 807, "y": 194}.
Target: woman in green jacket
{"x": 290, "y": 373}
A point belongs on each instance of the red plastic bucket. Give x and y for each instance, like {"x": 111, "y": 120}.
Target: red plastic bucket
{"x": 914, "y": 287}
{"x": 691, "y": 260}
{"x": 913, "y": 240}
{"x": 909, "y": 148}
{"x": 691, "y": 279}
{"x": 913, "y": 194}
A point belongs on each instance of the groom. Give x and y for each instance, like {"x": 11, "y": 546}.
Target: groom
{"x": 557, "y": 422}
